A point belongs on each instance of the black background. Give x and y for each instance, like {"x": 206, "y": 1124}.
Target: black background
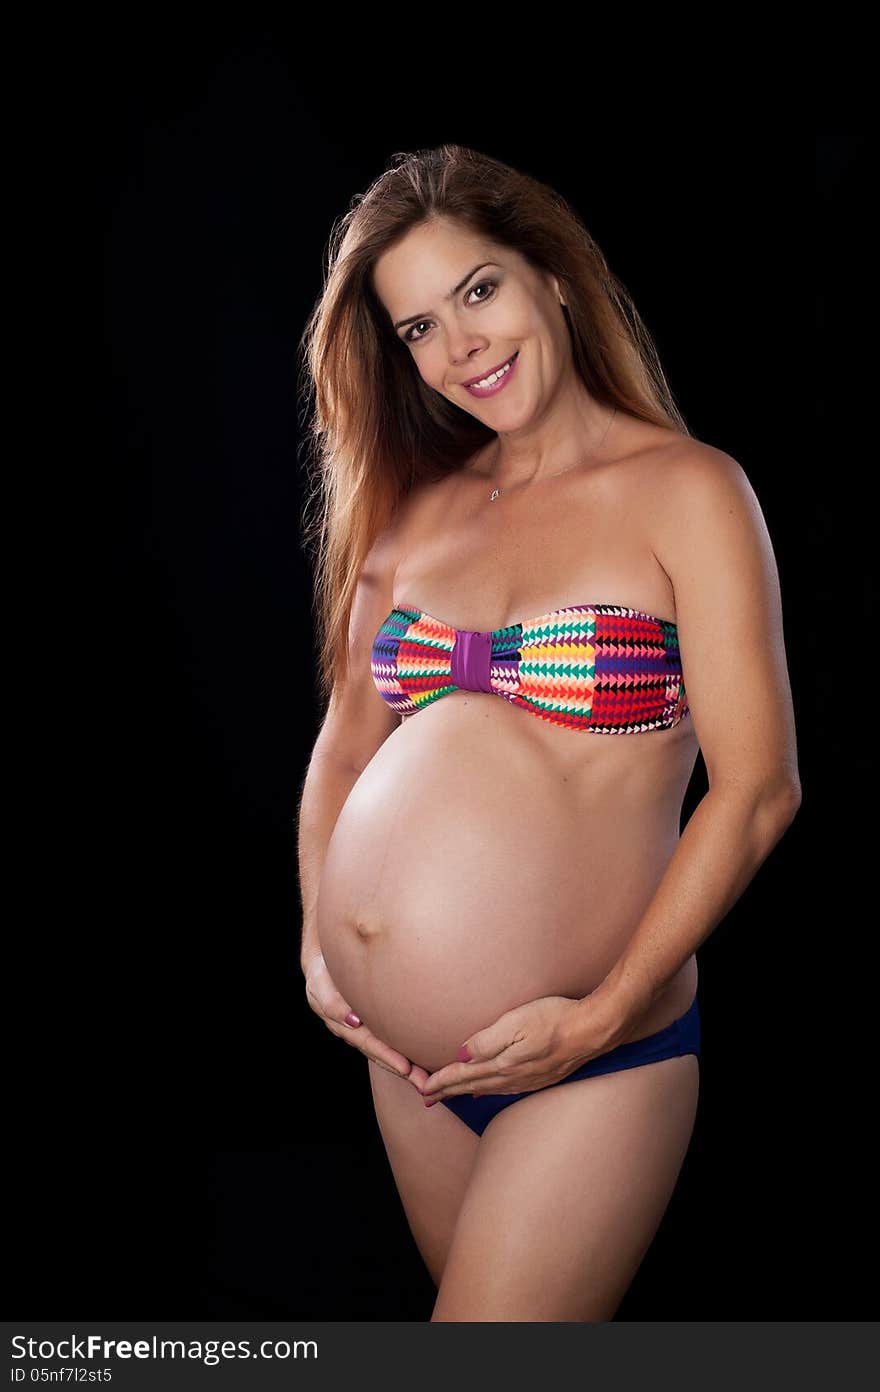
{"x": 188, "y": 1141}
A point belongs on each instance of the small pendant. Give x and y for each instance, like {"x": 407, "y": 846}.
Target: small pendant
{"x": 494, "y": 494}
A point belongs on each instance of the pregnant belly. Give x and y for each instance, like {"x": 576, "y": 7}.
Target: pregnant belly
{"x": 463, "y": 878}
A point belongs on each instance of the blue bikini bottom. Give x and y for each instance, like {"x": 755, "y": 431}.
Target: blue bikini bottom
{"x": 682, "y": 1036}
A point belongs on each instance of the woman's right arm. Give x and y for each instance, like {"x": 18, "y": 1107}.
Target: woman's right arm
{"x": 328, "y": 782}
{"x": 356, "y": 725}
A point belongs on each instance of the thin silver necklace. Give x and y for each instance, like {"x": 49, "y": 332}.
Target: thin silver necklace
{"x": 496, "y": 492}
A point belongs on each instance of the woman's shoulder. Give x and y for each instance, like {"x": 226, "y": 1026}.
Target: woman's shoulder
{"x": 693, "y": 493}
{"x": 410, "y": 517}
{"x": 687, "y": 466}
{"x": 670, "y": 459}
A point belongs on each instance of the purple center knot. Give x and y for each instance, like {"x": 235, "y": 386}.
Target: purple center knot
{"x": 472, "y": 660}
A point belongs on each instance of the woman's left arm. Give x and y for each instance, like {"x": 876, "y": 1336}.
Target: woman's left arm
{"x": 710, "y": 536}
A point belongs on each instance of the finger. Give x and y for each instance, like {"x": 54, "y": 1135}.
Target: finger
{"x": 397, "y": 1063}
{"x": 380, "y": 1054}
{"x": 447, "y": 1086}
{"x": 416, "y": 1076}
{"x": 446, "y": 1077}
{"x": 363, "y": 1038}
{"x": 331, "y": 1001}
{"x": 460, "y": 1075}
{"x": 476, "y": 1087}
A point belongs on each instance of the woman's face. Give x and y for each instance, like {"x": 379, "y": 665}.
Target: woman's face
{"x": 467, "y": 307}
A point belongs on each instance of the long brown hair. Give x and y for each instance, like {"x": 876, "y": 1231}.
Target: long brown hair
{"x": 376, "y": 430}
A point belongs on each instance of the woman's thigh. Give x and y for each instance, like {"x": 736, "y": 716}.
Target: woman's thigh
{"x": 432, "y": 1154}
{"x": 567, "y": 1191}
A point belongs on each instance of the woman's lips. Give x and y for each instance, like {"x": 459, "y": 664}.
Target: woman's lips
{"x": 500, "y": 384}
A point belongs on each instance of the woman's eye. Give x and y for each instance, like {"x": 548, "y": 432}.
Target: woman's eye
{"x": 489, "y": 285}
{"x": 407, "y": 337}
{"x": 483, "y": 285}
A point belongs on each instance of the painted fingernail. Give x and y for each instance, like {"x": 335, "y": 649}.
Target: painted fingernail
{"x": 463, "y": 1054}
{"x": 352, "y": 1019}
{"x": 433, "y": 1103}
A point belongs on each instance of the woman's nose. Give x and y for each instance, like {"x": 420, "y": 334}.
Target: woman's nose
{"x": 463, "y": 349}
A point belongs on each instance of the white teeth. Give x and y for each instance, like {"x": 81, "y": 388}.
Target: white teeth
{"x": 489, "y": 381}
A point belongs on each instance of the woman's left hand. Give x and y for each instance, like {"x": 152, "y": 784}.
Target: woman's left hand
{"x": 534, "y": 1045}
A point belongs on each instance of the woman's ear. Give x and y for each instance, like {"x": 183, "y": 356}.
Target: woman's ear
{"x": 551, "y": 283}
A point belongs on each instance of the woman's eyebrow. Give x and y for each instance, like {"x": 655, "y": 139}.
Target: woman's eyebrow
{"x": 414, "y": 318}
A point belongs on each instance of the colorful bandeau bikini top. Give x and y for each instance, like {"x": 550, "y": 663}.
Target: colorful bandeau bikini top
{"x": 595, "y": 667}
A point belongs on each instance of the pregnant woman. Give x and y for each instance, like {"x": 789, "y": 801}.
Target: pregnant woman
{"x": 538, "y": 598}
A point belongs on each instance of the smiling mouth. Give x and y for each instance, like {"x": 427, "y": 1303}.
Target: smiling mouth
{"x": 505, "y": 369}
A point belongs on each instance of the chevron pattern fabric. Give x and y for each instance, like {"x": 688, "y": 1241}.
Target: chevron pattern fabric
{"x": 600, "y": 668}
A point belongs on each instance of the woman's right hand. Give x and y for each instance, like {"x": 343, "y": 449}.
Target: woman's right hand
{"x": 332, "y": 1007}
